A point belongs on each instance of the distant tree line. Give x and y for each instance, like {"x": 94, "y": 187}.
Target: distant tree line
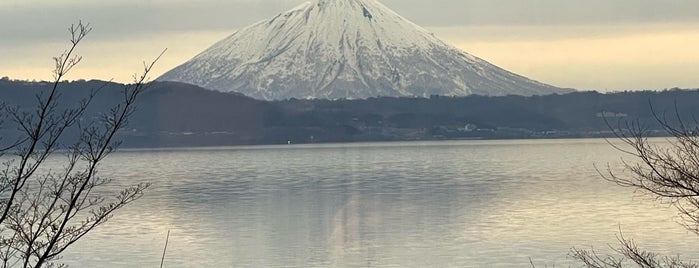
{"x": 176, "y": 114}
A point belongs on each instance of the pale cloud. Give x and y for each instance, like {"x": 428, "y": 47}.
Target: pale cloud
{"x": 624, "y": 57}
{"x": 598, "y": 44}
{"x": 32, "y": 18}
{"x": 108, "y": 59}
{"x": 543, "y": 12}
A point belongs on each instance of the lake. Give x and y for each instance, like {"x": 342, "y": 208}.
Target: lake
{"x": 403, "y": 204}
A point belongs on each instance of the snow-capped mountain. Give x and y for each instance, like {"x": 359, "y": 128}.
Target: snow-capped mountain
{"x": 345, "y": 49}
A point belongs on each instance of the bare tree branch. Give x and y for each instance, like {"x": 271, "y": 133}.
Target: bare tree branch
{"x": 668, "y": 172}
{"x": 44, "y": 213}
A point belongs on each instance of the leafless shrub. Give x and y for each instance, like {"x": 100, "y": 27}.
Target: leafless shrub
{"x": 42, "y": 213}
{"x": 668, "y": 171}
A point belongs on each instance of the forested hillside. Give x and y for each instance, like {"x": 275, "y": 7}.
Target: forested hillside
{"x": 176, "y": 114}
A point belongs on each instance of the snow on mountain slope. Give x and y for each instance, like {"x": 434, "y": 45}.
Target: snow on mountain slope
{"x": 345, "y": 49}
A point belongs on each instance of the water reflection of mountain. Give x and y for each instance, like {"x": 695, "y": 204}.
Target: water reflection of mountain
{"x": 340, "y": 205}
{"x": 333, "y": 204}
{"x": 430, "y": 204}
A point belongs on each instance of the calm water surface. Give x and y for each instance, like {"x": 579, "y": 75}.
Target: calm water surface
{"x": 412, "y": 204}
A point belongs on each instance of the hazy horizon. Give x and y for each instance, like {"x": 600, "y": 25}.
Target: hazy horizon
{"x": 601, "y": 45}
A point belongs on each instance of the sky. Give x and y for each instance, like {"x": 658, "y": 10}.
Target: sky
{"x": 588, "y": 45}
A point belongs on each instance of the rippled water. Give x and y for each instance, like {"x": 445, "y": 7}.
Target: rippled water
{"x": 413, "y": 204}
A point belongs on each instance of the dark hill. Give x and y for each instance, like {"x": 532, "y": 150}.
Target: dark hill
{"x": 176, "y": 114}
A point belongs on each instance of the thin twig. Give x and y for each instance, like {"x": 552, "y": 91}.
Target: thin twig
{"x": 167, "y": 239}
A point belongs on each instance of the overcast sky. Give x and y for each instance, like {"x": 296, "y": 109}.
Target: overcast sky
{"x": 592, "y": 44}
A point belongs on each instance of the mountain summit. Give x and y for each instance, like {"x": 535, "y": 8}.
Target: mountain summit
{"x": 345, "y": 49}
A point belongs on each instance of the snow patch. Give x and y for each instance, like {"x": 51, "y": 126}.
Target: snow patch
{"x": 345, "y": 49}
